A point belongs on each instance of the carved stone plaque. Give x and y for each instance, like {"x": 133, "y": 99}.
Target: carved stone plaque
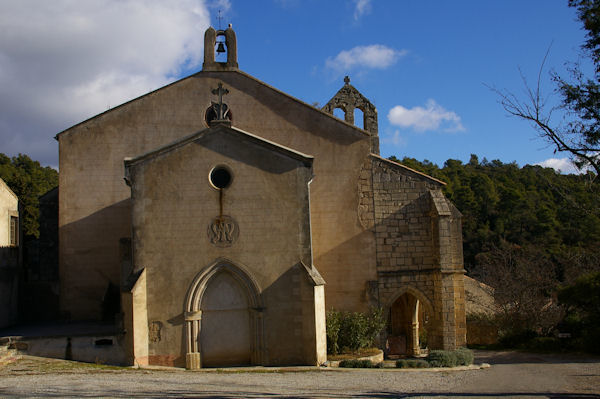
{"x": 223, "y": 231}
{"x": 154, "y": 329}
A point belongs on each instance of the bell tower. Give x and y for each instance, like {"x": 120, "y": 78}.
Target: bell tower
{"x": 348, "y": 98}
{"x": 229, "y": 46}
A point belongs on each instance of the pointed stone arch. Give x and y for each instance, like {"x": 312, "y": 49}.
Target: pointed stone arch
{"x": 416, "y": 293}
{"x": 406, "y": 309}
{"x": 245, "y": 285}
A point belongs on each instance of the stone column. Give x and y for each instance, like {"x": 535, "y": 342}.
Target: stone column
{"x": 415, "y": 349}
{"x": 193, "y": 360}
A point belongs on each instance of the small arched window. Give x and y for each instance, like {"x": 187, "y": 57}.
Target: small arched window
{"x": 359, "y": 118}
{"x": 339, "y": 113}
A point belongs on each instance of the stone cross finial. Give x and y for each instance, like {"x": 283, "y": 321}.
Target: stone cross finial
{"x": 220, "y": 108}
{"x": 346, "y": 79}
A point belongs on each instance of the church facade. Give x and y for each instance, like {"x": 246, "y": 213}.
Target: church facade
{"x": 217, "y": 218}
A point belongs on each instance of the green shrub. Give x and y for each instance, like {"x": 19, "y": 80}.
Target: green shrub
{"x": 349, "y": 364}
{"x": 333, "y": 323}
{"x": 358, "y": 364}
{"x": 582, "y": 301}
{"x": 459, "y": 357}
{"x": 439, "y": 358}
{"x": 376, "y": 323}
{"x": 411, "y": 364}
{"x": 353, "y": 330}
{"x": 464, "y": 356}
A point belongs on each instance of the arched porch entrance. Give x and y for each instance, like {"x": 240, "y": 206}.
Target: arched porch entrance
{"x": 408, "y": 320}
{"x": 223, "y": 318}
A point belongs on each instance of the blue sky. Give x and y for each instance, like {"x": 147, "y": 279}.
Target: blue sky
{"x": 426, "y": 65}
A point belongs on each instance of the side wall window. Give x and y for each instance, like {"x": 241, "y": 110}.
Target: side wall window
{"x": 14, "y": 231}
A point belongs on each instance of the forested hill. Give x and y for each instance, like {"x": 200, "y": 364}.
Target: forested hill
{"x": 28, "y": 180}
{"x": 548, "y": 214}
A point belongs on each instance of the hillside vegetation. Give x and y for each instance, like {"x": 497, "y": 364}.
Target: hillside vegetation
{"x": 534, "y": 207}
{"x": 28, "y": 180}
{"x": 530, "y": 233}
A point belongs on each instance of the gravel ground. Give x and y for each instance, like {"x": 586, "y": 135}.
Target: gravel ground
{"x": 512, "y": 375}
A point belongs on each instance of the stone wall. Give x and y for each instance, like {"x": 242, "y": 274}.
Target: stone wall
{"x": 202, "y": 288}
{"x": 418, "y": 245}
{"x": 348, "y": 99}
{"x": 9, "y": 208}
{"x": 94, "y": 203}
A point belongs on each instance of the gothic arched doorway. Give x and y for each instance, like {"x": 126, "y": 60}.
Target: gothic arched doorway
{"x": 223, "y": 318}
{"x": 225, "y": 336}
{"x": 407, "y": 325}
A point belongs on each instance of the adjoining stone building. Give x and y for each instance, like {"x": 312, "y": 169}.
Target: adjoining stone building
{"x": 244, "y": 214}
{"x": 9, "y": 254}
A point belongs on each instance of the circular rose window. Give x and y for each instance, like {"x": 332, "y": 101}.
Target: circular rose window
{"x": 220, "y": 177}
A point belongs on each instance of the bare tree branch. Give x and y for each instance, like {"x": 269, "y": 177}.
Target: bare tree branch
{"x": 535, "y": 110}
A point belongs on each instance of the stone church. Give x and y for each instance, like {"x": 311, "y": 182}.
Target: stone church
{"x": 218, "y": 218}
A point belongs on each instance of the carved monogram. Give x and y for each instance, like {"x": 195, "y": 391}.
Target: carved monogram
{"x": 223, "y": 231}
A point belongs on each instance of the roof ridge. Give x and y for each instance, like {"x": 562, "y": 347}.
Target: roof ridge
{"x": 407, "y": 168}
{"x": 304, "y": 158}
{"x": 2, "y": 182}
{"x": 297, "y": 100}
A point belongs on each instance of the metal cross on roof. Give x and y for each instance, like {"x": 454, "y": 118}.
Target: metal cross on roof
{"x": 219, "y": 18}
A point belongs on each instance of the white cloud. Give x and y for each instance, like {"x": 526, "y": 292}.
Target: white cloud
{"x": 64, "y": 61}
{"x": 376, "y": 56}
{"x": 223, "y": 5}
{"x": 561, "y": 165}
{"x": 395, "y": 138}
{"x": 362, "y": 7}
{"x": 431, "y": 117}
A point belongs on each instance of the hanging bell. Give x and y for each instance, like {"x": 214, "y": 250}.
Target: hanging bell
{"x": 220, "y": 48}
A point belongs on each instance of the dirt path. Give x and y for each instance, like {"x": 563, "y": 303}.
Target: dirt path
{"x": 511, "y": 375}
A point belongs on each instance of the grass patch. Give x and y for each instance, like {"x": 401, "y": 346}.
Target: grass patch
{"x": 44, "y": 365}
{"x": 412, "y": 364}
{"x": 67, "y": 366}
{"x": 359, "y": 364}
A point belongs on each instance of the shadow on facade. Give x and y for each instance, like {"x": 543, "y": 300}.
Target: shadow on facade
{"x": 9, "y": 273}
{"x": 319, "y": 125}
